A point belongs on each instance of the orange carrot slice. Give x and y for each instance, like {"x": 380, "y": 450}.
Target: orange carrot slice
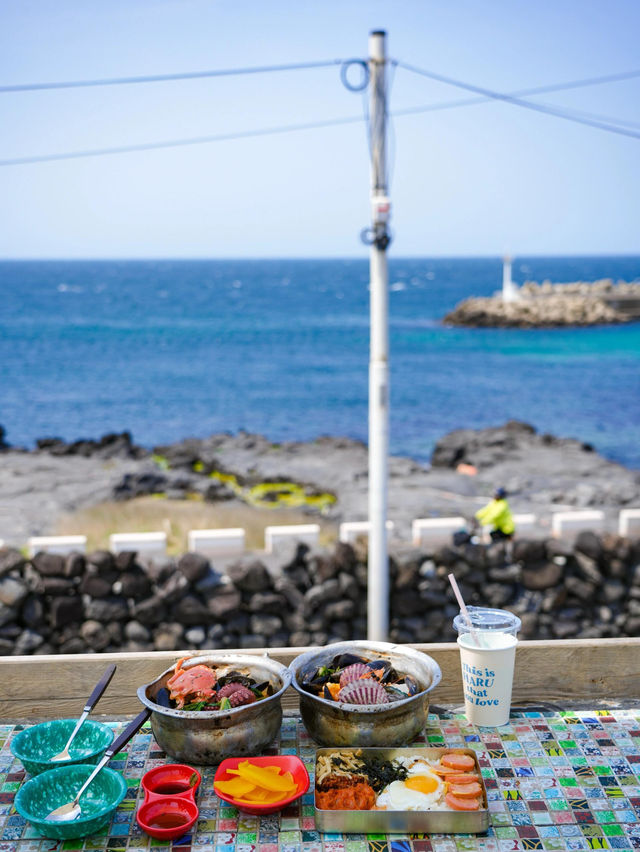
{"x": 459, "y": 804}
{"x": 334, "y": 689}
{"x": 461, "y": 762}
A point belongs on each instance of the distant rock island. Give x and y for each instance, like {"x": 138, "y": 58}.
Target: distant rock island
{"x": 550, "y": 305}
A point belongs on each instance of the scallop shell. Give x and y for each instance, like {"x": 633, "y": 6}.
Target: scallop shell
{"x": 354, "y": 672}
{"x": 366, "y": 691}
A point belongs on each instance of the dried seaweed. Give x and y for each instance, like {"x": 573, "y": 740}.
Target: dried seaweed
{"x": 379, "y": 772}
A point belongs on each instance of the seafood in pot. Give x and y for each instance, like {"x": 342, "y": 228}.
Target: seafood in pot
{"x": 196, "y": 683}
{"x": 351, "y": 679}
{"x": 205, "y": 687}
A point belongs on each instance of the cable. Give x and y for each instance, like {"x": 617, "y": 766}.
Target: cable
{"x": 193, "y": 75}
{"x": 477, "y": 101}
{"x": 538, "y": 90}
{"x": 175, "y": 143}
{"x": 588, "y": 81}
{"x": 160, "y": 78}
{"x": 488, "y": 93}
{"x": 391, "y": 149}
{"x": 623, "y": 122}
{"x": 361, "y": 84}
{"x": 598, "y": 121}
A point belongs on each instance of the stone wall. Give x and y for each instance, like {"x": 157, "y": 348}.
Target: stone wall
{"x": 101, "y": 602}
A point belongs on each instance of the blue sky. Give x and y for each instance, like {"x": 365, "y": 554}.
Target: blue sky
{"x": 468, "y": 181}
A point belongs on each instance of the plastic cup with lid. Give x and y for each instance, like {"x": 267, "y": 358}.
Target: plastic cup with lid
{"x": 487, "y": 658}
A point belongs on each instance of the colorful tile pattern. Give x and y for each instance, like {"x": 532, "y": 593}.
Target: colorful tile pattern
{"x": 555, "y": 781}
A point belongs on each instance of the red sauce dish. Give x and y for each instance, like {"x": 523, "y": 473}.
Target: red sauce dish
{"x": 167, "y": 817}
{"x": 169, "y": 809}
{"x": 172, "y": 779}
{"x": 286, "y": 763}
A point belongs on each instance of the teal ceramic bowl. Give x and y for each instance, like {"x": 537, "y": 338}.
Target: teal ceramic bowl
{"x": 40, "y": 795}
{"x": 37, "y": 744}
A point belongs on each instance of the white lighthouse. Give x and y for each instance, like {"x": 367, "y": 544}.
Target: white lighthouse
{"x": 509, "y": 289}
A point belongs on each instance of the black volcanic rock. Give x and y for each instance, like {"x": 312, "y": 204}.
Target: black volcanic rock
{"x": 483, "y": 447}
{"x": 113, "y": 445}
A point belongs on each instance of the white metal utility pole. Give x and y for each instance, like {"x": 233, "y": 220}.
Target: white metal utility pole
{"x": 378, "y": 578}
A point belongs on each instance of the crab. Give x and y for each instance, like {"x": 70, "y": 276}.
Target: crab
{"x": 197, "y": 681}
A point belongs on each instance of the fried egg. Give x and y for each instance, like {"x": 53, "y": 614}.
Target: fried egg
{"x": 421, "y": 790}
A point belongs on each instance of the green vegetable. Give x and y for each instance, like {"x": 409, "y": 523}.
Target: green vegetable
{"x": 325, "y": 671}
{"x": 195, "y": 705}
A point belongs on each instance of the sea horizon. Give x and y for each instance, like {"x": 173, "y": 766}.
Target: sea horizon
{"x": 350, "y": 257}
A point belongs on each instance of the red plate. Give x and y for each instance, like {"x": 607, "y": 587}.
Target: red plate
{"x": 286, "y": 762}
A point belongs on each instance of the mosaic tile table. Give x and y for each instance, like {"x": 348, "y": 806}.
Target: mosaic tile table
{"x": 555, "y": 780}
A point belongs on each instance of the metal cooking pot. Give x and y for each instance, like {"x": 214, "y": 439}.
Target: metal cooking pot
{"x": 206, "y": 737}
{"x": 333, "y": 723}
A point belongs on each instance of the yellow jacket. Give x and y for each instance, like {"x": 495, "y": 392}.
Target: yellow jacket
{"x": 498, "y": 514}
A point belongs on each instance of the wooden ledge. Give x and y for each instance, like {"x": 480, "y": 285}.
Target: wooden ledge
{"x": 56, "y": 686}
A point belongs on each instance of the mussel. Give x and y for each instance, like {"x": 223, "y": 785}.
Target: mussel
{"x": 162, "y": 698}
{"x": 403, "y": 688}
{"x": 315, "y": 680}
{"x": 395, "y": 694}
{"x": 389, "y": 674}
{"x": 412, "y": 685}
{"x": 236, "y": 677}
{"x": 341, "y": 661}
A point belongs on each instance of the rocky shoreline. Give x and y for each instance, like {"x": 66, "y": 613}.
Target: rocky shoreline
{"x": 550, "y": 305}
{"x": 329, "y": 477}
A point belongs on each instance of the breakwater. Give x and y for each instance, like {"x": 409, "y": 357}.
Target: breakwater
{"x": 550, "y": 305}
{"x": 105, "y": 602}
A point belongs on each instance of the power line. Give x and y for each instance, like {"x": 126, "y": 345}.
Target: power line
{"x": 538, "y": 90}
{"x": 584, "y": 118}
{"x": 261, "y": 69}
{"x": 622, "y": 122}
{"x": 175, "y": 143}
{"x": 587, "y": 81}
{"x": 516, "y": 101}
{"x": 161, "y": 78}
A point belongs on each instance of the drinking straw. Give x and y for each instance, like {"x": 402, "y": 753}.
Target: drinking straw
{"x": 463, "y": 609}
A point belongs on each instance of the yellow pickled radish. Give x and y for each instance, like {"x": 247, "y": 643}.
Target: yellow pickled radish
{"x": 262, "y": 777}
{"x": 257, "y": 794}
{"x": 235, "y": 787}
{"x": 268, "y": 798}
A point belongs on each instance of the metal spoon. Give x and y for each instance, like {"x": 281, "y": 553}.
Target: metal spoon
{"x": 88, "y": 707}
{"x": 72, "y": 810}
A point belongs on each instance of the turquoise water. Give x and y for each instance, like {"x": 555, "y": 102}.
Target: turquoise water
{"x": 170, "y": 349}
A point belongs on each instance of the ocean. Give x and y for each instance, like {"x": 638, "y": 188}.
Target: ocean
{"x": 169, "y": 349}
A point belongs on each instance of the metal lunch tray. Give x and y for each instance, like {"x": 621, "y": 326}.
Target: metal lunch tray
{"x": 402, "y": 822}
